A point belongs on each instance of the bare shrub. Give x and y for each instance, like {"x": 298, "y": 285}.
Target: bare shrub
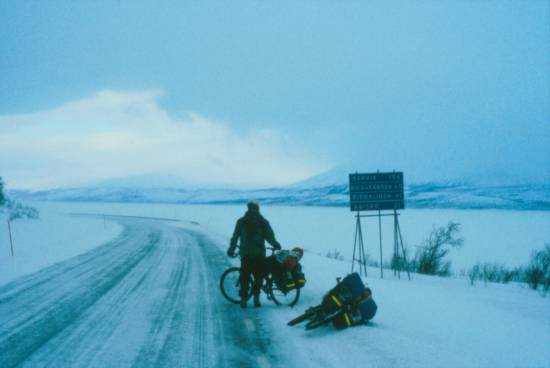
{"x": 491, "y": 272}
{"x": 494, "y": 272}
{"x": 474, "y": 273}
{"x": 514, "y": 274}
{"x": 399, "y": 261}
{"x": 335, "y": 254}
{"x": 18, "y": 210}
{"x": 15, "y": 211}
{"x": 430, "y": 257}
{"x": 2, "y": 196}
{"x": 537, "y": 272}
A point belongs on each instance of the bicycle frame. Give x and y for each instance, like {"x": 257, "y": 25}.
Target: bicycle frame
{"x": 278, "y": 296}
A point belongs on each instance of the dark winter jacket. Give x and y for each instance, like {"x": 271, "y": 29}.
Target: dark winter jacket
{"x": 253, "y": 230}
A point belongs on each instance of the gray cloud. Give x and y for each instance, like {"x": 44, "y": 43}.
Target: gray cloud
{"x": 113, "y": 134}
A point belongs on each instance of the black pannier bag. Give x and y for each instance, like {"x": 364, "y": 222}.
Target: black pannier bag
{"x": 288, "y": 280}
{"x": 286, "y": 269}
{"x": 362, "y": 296}
{"x": 299, "y": 277}
{"x": 347, "y": 304}
{"x": 285, "y": 282}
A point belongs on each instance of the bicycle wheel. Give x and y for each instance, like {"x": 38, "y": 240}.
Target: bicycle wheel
{"x": 230, "y": 285}
{"x": 282, "y": 297}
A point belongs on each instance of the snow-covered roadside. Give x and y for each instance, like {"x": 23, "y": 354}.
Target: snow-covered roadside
{"x": 52, "y": 238}
{"x": 506, "y": 237}
{"x": 426, "y": 322}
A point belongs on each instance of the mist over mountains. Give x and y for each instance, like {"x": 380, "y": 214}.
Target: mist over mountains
{"x": 495, "y": 190}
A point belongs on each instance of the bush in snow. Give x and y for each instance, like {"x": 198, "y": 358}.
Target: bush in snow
{"x": 335, "y": 254}
{"x": 494, "y": 272}
{"x": 514, "y": 274}
{"x": 430, "y": 257}
{"x": 14, "y": 209}
{"x": 537, "y": 272}
{"x": 17, "y": 211}
{"x": 399, "y": 261}
{"x": 2, "y": 197}
{"x": 474, "y": 273}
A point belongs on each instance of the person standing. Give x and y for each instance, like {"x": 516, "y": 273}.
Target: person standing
{"x": 253, "y": 230}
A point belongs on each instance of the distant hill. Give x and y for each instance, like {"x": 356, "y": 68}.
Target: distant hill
{"x": 327, "y": 189}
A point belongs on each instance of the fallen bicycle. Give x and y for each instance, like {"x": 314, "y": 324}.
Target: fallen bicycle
{"x": 349, "y": 303}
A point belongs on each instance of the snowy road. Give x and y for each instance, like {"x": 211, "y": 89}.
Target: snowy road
{"x": 148, "y": 298}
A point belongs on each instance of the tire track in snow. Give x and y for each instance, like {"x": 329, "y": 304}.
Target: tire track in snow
{"x": 84, "y": 341}
{"x": 28, "y": 328}
{"x": 166, "y": 314}
{"x": 36, "y": 292}
{"x": 19, "y": 288}
{"x": 148, "y": 298}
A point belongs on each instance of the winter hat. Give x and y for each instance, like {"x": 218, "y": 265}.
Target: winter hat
{"x": 253, "y": 205}
{"x": 298, "y": 251}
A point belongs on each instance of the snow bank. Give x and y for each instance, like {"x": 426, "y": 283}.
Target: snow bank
{"x": 54, "y": 237}
{"x": 426, "y": 322}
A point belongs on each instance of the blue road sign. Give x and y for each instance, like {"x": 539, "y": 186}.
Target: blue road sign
{"x": 376, "y": 191}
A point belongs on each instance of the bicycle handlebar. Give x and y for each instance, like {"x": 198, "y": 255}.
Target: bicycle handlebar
{"x": 237, "y": 251}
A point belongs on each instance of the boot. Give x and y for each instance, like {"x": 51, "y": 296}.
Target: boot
{"x": 257, "y": 303}
{"x": 243, "y": 303}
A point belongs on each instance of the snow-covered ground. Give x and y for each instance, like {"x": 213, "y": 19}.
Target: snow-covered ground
{"x": 53, "y": 238}
{"x": 426, "y": 322}
{"x": 503, "y": 236}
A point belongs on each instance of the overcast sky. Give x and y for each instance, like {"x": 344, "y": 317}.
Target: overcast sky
{"x": 268, "y": 93}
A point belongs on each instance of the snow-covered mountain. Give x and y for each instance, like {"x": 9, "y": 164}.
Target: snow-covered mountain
{"x": 327, "y": 189}
{"x": 146, "y": 181}
{"x": 339, "y": 176}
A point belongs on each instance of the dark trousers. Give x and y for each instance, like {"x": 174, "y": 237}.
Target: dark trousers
{"x": 255, "y": 266}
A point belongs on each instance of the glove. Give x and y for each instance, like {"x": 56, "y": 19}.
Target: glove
{"x": 230, "y": 253}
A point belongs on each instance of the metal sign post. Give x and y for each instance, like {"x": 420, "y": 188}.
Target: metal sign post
{"x": 399, "y": 262}
{"x": 359, "y": 248}
{"x": 377, "y": 192}
{"x": 380, "y": 236}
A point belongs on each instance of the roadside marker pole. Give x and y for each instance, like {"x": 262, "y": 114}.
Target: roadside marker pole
{"x": 11, "y": 241}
